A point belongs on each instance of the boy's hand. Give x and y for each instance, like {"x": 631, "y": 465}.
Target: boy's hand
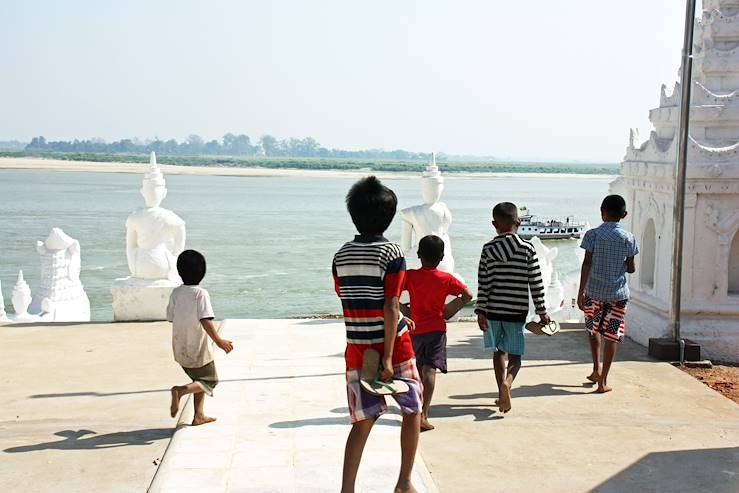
{"x": 544, "y": 319}
{"x": 386, "y": 374}
{"x": 411, "y": 324}
{"x": 581, "y": 301}
{"x": 482, "y": 322}
{"x": 227, "y": 346}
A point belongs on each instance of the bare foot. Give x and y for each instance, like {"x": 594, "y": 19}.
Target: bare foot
{"x": 405, "y": 488}
{"x": 174, "y": 405}
{"x": 425, "y": 425}
{"x": 505, "y": 397}
{"x": 602, "y": 389}
{"x": 201, "y": 420}
{"x": 594, "y": 377}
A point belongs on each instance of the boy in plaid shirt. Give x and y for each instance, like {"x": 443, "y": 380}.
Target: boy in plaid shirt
{"x": 604, "y": 290}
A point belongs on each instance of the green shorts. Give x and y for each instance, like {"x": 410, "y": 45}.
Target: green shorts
{"x": 505, "y": 336}
{"x": 205, "y": 376}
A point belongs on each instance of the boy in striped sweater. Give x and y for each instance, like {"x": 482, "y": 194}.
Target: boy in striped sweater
{"x": 508, "y": 272}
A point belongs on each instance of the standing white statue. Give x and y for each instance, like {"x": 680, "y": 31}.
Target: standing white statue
{"x": 430, "y": 218}
{"x": 554, "y": 295}
{"x": 3, "y": 315}
{"x": 154, "y": 238}
{"x": 21, "y": 300}
{"x": 61, "y": 296}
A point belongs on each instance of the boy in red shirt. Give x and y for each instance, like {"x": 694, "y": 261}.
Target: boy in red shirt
{"x": 429, "y": 288}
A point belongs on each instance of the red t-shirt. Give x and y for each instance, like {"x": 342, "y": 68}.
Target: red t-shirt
{"x": 428, "y": 289}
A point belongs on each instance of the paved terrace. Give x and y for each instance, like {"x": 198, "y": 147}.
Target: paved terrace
{"x": 87, "y": 409}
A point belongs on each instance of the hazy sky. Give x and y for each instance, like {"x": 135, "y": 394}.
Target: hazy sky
{"x": 534, "y": 79}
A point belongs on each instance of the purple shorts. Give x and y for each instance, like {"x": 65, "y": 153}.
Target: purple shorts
{"x": 363, "y": 405}
{"x": 430, "y": 349}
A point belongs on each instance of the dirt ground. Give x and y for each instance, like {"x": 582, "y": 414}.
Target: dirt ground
{"x": 722, "y": 379}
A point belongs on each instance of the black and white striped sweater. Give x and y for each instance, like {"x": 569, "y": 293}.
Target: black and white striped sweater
{"x": 508, "y": 271}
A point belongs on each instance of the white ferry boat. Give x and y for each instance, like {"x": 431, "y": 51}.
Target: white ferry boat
{"x": 550, "y": 228}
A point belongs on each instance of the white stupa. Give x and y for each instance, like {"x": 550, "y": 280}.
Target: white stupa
{"x": 21, "y": 299}
{"x": 60, "y": 296}
{"x": 711, "y": 257}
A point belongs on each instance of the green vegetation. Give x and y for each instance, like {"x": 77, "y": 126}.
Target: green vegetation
{"x": 448, "y": 166}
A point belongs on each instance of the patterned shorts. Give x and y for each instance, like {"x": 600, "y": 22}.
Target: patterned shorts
{"x": 363, "y": 405}
{"x": 606, "y": 317}
{"x": 506, "y": 337}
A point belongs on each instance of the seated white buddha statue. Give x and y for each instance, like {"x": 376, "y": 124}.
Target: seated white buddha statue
{"x": 154, "y": 236}
{"x": 430, "y": 218}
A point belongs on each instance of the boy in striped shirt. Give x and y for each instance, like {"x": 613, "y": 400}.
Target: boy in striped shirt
{"x": 369, "y": 274}
{"x": 508, "y": 272}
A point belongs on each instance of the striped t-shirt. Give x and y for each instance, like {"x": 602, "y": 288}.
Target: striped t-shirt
{"x": 366, "y": 272}
{"x": 508, "y": 271}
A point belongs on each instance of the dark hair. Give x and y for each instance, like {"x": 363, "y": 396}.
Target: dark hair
{"x": 371, "y": 205}
{"x": 431, "y": 249}
{"x": 505, "y": 213}
{"x": 614, "y": 206}
{"x": 191, "y": 267}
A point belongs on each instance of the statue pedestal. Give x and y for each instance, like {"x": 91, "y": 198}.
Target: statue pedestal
{"x": 73, "y": 310}
{"x": 141, "y": 299}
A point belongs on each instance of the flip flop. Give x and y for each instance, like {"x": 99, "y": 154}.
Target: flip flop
{"x": 543, "y": 329}
{"x": 370, "y": 377}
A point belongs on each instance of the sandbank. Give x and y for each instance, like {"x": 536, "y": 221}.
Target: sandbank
{"x": 39, "y": 164}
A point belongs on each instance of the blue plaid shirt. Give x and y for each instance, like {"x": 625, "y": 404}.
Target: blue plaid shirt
{"x": 610, "y": 245}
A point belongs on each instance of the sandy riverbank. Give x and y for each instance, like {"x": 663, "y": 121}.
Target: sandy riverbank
{"x": 38, "y": 164}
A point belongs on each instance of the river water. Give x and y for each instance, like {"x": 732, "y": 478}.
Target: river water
{"x": 269, "y": 241}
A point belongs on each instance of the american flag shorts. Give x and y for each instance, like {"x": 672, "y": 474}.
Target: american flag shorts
{"x": 606, "y": 317}
{"x": 363, "y": 405}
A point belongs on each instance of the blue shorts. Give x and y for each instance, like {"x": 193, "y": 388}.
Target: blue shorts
{"x": 505, "y": 336}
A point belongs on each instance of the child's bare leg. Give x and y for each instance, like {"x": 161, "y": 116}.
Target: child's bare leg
{"x": 353, "y": 453}
{"x": 514, "y": 364}
{"x": 608, "y": 357}
{"x": 199, "y": 401}
{"x": 499, "y": 365}
{"x": 409, "y": 432}
{"x": 594, "y": 341}
{"x": 178, "y": 392}
{"x": 501, "y": 377}
{"x": 428, "y": 375}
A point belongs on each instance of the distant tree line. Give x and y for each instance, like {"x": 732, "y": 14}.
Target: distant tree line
{"x": 230, "y": 145}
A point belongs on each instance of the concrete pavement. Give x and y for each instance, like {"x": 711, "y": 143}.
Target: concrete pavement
{"x": 282, "y": 419}
{"x": 660, "y": 430}
{"x": 283, "y": 422}
{"x": 84, "y": 406}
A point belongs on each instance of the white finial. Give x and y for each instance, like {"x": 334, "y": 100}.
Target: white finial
{"x": 432, "y": 170}
{"x": 153, "y": 176}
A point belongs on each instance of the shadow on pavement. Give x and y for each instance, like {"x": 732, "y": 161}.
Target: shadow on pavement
{"x": 715, "y": 470}
{"x": 539, "y": 390}
{"x": 299, "y": 423}
{"x": 73, "y": 440}
{"x": 477, "y": 411}
{"x": 570, "y": 346}
{"x": 150, "y": 391}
